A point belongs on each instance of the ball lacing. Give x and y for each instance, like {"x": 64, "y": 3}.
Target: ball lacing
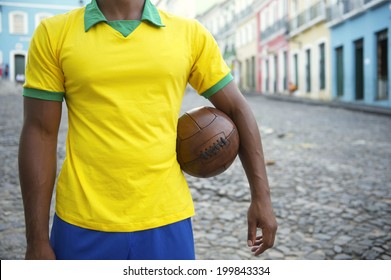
{"x": 214, "y": 148}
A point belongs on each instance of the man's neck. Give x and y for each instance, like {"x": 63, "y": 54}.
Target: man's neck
{"x": 121, "y": 9}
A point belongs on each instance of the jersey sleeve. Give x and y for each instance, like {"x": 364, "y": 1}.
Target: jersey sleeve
{"x": 44, "y": 77}
{"x": 209, "y": 72}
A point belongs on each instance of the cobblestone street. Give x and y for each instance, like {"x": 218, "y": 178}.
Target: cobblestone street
{"x": 329, "y": 172}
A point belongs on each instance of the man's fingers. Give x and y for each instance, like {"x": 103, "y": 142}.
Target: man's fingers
{"x": 260, "y": 250}
{"x": 266, "y": 242}
{"x": 251, "y": 233}
{"x": 258, "y": 241}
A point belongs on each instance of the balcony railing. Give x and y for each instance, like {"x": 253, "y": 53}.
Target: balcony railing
{"x": 345, "y": 8}
{"x": 307, "y": 16}
{"x": 278, "y": 26}
{"x": 226, "y": 27}
{"x": 367, "y": 1}
{"x": 244, "y": 13}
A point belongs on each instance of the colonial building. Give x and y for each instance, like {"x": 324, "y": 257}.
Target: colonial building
{"x": 246, "y": 44}
{"x": 273, "y": 46}
{"x": 220, "y": 21}
{"x": 185, "y": 8}
{"x": 309, "y": 46}
{"x": 320, "y": 49}
{"x": 18, "y": 20}
{"x": 233, "y": 24}
{"x": 360, "y": 51}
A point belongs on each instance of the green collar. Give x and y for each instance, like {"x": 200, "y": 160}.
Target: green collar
{"x": 93, "y": 15}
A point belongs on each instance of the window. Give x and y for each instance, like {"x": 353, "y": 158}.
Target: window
{"x": 249, "y": 33}
{"x": 237, "y": 38}
{"x": 272, "y": 13}
{"x": 242, "y": 36}
{"x": 322, "y": 66}
{"x": 263, "y": 22}
{"x": 39, "y": 17}
{"x": 18, "y": 23}
{"x": 281, "y": 9}
{"x": 294, "y": 8}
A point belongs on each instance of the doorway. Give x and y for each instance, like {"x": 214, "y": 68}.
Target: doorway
{"x": 339, "y": 71}
{"x": 275, "y": 74}
{"x": 19, "y": 66}
{"x": 382, "y": 65}
{"x": 359, "y": 68}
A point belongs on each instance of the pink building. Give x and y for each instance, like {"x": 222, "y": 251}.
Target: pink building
{"x": 272, "y": 47}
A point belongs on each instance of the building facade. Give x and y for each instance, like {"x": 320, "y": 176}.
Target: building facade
{"x": 233, "y": 25}
{"x": 309, "y": 45}
{"x": 246, "y": 44}
{"x": 220, "y": 21}
{"x": 185, "y": 8}
{"x": 273, "y": 46}
{"x": 360, "y": 51}
{"x": 18, "y": 20}
{"x": 320, "y": 49}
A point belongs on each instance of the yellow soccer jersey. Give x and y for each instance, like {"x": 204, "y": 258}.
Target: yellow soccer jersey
{"x": 123, "y": 85}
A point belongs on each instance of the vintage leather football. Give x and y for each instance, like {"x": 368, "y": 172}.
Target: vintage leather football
{"x": 207, "y": 142}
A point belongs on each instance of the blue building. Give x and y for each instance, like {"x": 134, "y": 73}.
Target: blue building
{"x": 360, "y": 51}
{"x": 18, "y": 20}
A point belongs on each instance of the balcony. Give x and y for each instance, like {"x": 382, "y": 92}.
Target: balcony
{"x": 280, "y": 26}
{"x": 345, "y": 9}
{"x": 307, "y": 18}
{"x": 242, "y": 15}
{"x": 227, "y": 27}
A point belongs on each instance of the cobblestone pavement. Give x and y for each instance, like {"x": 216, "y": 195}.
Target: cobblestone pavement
{"x": 329, "y": 171}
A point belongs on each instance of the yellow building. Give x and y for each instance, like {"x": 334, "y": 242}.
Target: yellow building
{"x": 309, "y": 45}
{"x": 246, "y": 45}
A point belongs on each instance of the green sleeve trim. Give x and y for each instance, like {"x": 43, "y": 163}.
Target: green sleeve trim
{"x": 222, "y": 83}
{"x": 43, "y": 94}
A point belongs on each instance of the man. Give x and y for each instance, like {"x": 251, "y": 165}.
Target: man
{"x": 122, "y": 66}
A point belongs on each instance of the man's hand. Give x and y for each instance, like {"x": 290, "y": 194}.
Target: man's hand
{"x": 261, "y": 216}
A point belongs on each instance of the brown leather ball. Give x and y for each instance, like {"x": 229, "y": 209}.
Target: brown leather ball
{"x": 207, "y": 142}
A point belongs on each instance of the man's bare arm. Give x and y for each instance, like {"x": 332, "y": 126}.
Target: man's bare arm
{"x": 260, "y": 213}
{"x": 37, "y": 171}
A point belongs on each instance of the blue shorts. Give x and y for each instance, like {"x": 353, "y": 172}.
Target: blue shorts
{"x": 170, "y": 242}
